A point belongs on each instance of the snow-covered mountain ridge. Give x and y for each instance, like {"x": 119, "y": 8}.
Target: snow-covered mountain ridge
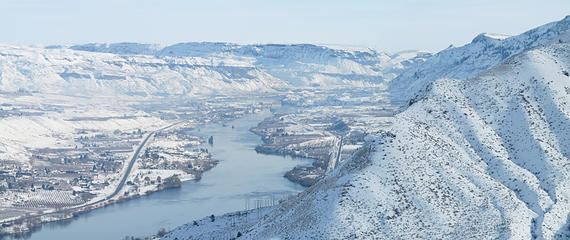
{"x": 481, "y": 158}
{"x": 299, "y": 64}
{"x": 190, "y": 69}
{"x": 68, "y": 71}
{"x": 484, "y": 52}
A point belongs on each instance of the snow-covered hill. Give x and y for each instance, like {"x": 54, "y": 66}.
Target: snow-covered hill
{"x": 481, "y": 158}
{"x": 67, "y": 71}
{"x": 193, "y": 68}
{"x": 297, "y": 64}
{"x": 484, "y": 52}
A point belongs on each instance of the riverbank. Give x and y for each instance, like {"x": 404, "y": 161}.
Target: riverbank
{"x": 25, "y": 227}
{"x": 18, "y": 227}
{"x": 306, "y": 176}
{"x": 222, "y": 189}
{"x": 136, "y": 183}
{"x": 325, "y": 139}
{"x": 284, "y": 137}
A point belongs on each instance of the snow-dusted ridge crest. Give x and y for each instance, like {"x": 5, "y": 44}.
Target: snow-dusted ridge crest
{"x": 484, "y": 52}
{"x": 480, "y": 158}
{"x": 196, "y": 49}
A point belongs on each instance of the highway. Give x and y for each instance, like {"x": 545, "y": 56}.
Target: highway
{"x": 130, "y": 167}
{"x": 132, "y": 163}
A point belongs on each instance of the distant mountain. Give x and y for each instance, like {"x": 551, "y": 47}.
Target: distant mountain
{"x": 125, "y": 48}
{"x": 298, "y": 64}
{"x": 484, "y": 52}
{"x": 190, "y": 69}
{"x": 481, "y": 158}
{"x": 66, "y": 71}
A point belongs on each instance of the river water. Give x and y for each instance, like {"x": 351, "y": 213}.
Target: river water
{"x": 241, "y": 175}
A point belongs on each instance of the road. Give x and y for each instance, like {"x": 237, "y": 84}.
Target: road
{"x": 132, "y": 162}
{"x": 130, "y": 167}
{"x": 334, "y": 160}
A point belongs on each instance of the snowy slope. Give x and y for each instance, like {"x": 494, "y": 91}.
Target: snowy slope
{"x": 66, "y": 71}
{"x": 482, "y": 158}
{"x": 485, "y": 51}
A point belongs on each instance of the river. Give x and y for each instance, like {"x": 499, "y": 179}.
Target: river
{"x": 241, "y": 175}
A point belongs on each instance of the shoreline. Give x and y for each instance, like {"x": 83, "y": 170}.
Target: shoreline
{"x": 299, "y": 174}
{"x": 294, "y": 175}
{"x": 24, "y": 226}
{"x": 31, "y": 224}
{"x": 28, "y": 225}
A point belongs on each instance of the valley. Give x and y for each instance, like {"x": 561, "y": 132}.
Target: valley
{"x": 290, "y": 141}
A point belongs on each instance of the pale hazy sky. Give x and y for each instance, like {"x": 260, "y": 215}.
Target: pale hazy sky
{"x": 386, "y": 25}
